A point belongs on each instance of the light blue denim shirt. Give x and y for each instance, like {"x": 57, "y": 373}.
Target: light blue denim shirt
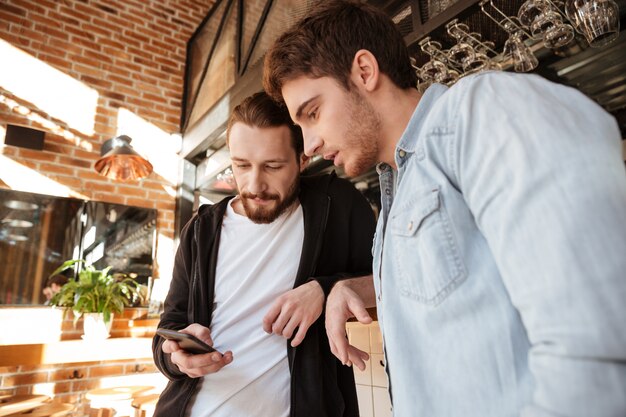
{"x": 500, "y": 254}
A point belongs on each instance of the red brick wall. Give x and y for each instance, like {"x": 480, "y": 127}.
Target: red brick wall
{"x": 69, "y": 382}
{"x": 72, "y": 380}
{"x": 132, "y": 52}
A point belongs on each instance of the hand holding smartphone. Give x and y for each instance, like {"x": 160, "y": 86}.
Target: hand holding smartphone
{"x": 186, "y": 341}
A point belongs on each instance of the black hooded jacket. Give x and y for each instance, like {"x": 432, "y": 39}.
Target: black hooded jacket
{"x": 338, "y": 231}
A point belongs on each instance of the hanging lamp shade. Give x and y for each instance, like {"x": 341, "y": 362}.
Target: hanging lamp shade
{"x": 119, "y": 161}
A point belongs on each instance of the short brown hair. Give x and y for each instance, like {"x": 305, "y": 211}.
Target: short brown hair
{"x": 58, "y": 279}
{"x": 325, "y": 42}
{"x": 259, "y": 110}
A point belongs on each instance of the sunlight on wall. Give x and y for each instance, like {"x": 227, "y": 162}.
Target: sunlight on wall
{"x": 171, "y": 191}
{"x": 165, "y": 260}
{"x": 52, "y": 91}
{"x": 43, "y": 122}
{"x": 15, "y": 320}
{"x": 157, "y": 380}
{"x": 21, "y": 178}
{"x": 3, "y": 133}
{"x": 45, "y": 388}
{"x": 158, "y": 146}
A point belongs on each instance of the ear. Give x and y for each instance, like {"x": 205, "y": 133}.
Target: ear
{"x": 304, "y": 161}
{"x": 365, "y": 72}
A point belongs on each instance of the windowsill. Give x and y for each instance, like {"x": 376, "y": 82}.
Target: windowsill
{"x": 71, "y": 351}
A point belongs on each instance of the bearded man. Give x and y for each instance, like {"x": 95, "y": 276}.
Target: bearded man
{"x": 250, "y": 279}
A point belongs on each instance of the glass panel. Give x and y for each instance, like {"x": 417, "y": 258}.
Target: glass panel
{"x": 199, "y": 49}
{"x": 282, "y": 15}
{"x": 252, "y": 11}
{"x": 38, "y": 233}
{"x": 220, "y": 75}
{"x": 437, "y": 6}
{"x": 121, "y": 237}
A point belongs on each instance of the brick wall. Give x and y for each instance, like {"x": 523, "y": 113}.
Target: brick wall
{"x": 70, "y": 382}
{"x": 127, "y": 54}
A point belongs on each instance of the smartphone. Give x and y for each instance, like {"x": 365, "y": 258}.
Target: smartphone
{"x": 186, "y": 341}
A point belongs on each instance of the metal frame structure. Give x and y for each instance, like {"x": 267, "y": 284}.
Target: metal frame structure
{"x": 415, "y": 24}
{"x": 241, "y": 62}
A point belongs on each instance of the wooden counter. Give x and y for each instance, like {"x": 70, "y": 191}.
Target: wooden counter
{"x": 76, "y": 351}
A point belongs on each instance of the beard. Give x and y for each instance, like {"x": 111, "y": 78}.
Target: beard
{"x": 266, "y": 215}
{"x": 362, "y": 134}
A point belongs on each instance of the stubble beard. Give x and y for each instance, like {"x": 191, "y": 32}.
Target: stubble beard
{"x": 263, "y": 215}
{"x": 362, "y": 135}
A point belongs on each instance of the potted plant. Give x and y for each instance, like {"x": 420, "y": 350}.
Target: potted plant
{"x": 96, "y": 295}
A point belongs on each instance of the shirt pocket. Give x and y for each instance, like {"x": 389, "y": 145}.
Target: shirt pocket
{"x": 425, "y": 254}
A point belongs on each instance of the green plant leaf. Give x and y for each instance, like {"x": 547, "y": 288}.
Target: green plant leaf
{"x": 96, "y": 291}
{"x": 65, "y": 265}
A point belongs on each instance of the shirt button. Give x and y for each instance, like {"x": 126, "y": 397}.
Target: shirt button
{"x": 410, "y": 227}
{"x": 387, "y": 191}
{"x": 402, "y": 153}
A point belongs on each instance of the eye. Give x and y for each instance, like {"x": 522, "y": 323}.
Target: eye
{"x": 242, "y": 166}
{"x": 273, "y": 167}
{"x": 312, "y": 115}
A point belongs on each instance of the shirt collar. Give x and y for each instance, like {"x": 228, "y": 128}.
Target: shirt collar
{"x": 408, "y": 140}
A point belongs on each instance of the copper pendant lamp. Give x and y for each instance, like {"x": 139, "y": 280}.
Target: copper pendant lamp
{"x": 119, "y": 161}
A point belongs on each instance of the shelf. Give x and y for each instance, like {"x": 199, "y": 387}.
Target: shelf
{"x": 71, "y": 351}
{"x": 143, "y": 322}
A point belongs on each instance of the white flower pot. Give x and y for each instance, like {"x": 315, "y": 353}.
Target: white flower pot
{"x": 94, "y": 327}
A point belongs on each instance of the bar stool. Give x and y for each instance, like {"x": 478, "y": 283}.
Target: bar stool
{"x": 105, "y": 402}
{"x": 13, "y": 404}
{"x": 144, "y": 405}
{"x": 47, "y": 410}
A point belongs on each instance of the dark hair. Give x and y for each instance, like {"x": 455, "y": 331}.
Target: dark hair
{"x": 59, "y": 279}
{"x": 325, "y": 42}
{"x": 259, "y": 110}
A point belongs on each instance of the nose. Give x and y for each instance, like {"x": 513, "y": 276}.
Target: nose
{"x": 312, "y": 142}
{"x": 257, "y": 183}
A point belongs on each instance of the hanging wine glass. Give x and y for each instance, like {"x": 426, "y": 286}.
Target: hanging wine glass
{"x": 530, "y": 10}
{"x": 447, "y": 78}
{"x": 597, "y": 20}
{"x": 523, "y": 58}
{"x": 462, "y": 51}
{"x": 480, "y": 60}
{"x": 549, "y": 25}
{"x": 432, "y": 69}
{"x": 483, "y": 48}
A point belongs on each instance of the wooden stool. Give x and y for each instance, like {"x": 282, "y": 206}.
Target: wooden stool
{"x": 101, "y": 412}
{"x": 116, "y": 399}
{"x": 47, "y": 410}
{"x": 145, "y": 404}
{"x": 13, "y": 404}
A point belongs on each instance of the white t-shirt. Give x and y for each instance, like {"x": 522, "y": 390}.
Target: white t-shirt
{"x": 256, "y": 263}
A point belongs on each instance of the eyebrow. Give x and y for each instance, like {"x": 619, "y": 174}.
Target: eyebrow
{"x": 303, "y": 105}
{"x": 270, "y": 161}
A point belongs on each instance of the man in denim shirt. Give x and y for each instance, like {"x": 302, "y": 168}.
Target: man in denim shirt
{"x": 500, "y": 253}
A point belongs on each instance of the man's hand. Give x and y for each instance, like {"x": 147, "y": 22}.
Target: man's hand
{"x": 299, "y": 308}
{"x": 343, "y": 303}
{"x": 197, "y": 365}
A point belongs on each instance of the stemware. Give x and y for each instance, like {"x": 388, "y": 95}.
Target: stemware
{"x": 462, "y": 52}
{"x": 483, "y": 49}
{"x": 523, "y": 58}
{"x": 555, "y": 33}
{"x": 432, "y": 69}
{"x": 597, "y": 20}
{"x": 530, "y": 10}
